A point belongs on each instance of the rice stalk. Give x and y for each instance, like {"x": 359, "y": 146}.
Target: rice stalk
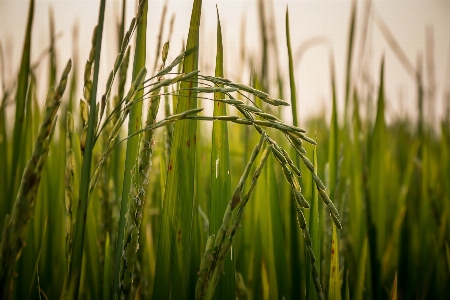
{"x": 16, "y": 225}
{"x": 334, "y": 286}
{"x": 134, "y": 125}
{"x": 80, "y": 223}
{"x": 272, "y": 235}
{"x": 210, "y": 273}
{"x": 359, "y": 286}
{"x": 84, "y": 103}
{"x": 173, "y": 257}
{"x": 314, "y": 228}
{"x": 138, "y": 197}
{"x": 291, "y": 73}
{"x": 348, "y": 72}
{"x": 169, "y": 128}
{"x": 308, "y": 244}
{"x": 220, "y": 173}
{"x": 20, "y": 98}
{"x": 69, "y": 176}
{"x": 377, "y": 188}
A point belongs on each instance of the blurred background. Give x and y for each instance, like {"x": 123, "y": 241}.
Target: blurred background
{"x": 420, "y": 28}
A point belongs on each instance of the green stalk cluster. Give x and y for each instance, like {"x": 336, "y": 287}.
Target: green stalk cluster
{"x": 296, "y": 137}
{"x": 217, "y": 248}
{"x": 16, "y": 225}
{"x": 136, "y": 205}
{"x": 70, "y": 169}
{"x": 111, "y": 142}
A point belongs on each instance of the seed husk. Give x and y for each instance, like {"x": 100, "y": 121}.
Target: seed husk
{"x": 263, "y": 123}
{"x": 251, "y": 108}
{"x": 319, "y": 182}
{"x": 243, "y": 121}
{"x": 336, "y": 221}
{"x": 267, "y": 116}
{"x": 308, "y": 163}
{"x": 279, "y": 155}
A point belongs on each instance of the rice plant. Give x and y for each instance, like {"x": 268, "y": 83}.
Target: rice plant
{"x": 99, "y": 204}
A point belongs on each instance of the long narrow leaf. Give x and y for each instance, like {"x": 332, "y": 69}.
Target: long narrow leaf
{"x": 21, "y": 93}
{"x": 80, "y": 224}
{"x": 334, "y": 287}
{"x": 134, "y": 125}
{"x": 220, "y": 176}
{"x": 172, "y": 265}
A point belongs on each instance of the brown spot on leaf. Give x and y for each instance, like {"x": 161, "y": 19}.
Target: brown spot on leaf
{"x": 332, "y": 251}
{"x": 179, "y": 236}
{"x": 170, "y": 166}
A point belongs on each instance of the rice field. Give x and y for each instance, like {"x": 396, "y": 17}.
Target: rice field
{"x": 165, "y": 182}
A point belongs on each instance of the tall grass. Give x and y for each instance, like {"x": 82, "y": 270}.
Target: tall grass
{"x": 114, "y": 208}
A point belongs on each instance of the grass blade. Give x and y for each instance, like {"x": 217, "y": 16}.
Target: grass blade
{"x": 134, "y": 125}
{"x": 332, "y": 164}
{"x": 291, "y": 73}
{"x": 80, "y": 223}
{"x": 333, "y": 139}
{"x": 351, "y": 38}
{"x": 272, "y": 236}
{"x": 359, "y": 287}
{"x": 14, "y": 233}
{"x": 296, "y": 247}
{"x": 334, "y": 286}
{"x": 377, "y": 186}
{"x": 172, "y": 264}
{"x": 220, "y": 176}
{"x": 21, "y": 94}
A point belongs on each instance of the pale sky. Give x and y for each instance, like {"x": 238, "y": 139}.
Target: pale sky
{"x": 407, "y": 20}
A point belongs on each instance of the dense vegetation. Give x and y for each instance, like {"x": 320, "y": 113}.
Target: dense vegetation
{"x": 171, "y": 207}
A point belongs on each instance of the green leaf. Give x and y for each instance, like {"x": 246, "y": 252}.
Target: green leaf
{"x": 272, "y": 236}
{"x": 333, "y": 140}
{"x": 20, "y": 99}
{"x": 291, "y": 73}
{"x": 173, "y": 265}
{"x": 334, "y": 286}
{"x": 80, "y": 224}
{"x": 107, "y": 269}
{"x": 359, "y": 287}
{"x": 134, "y": 125}
{"x": 351, "y": 39}
{"x": 220, "y": 177}
{"x": 377, "y": 170}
